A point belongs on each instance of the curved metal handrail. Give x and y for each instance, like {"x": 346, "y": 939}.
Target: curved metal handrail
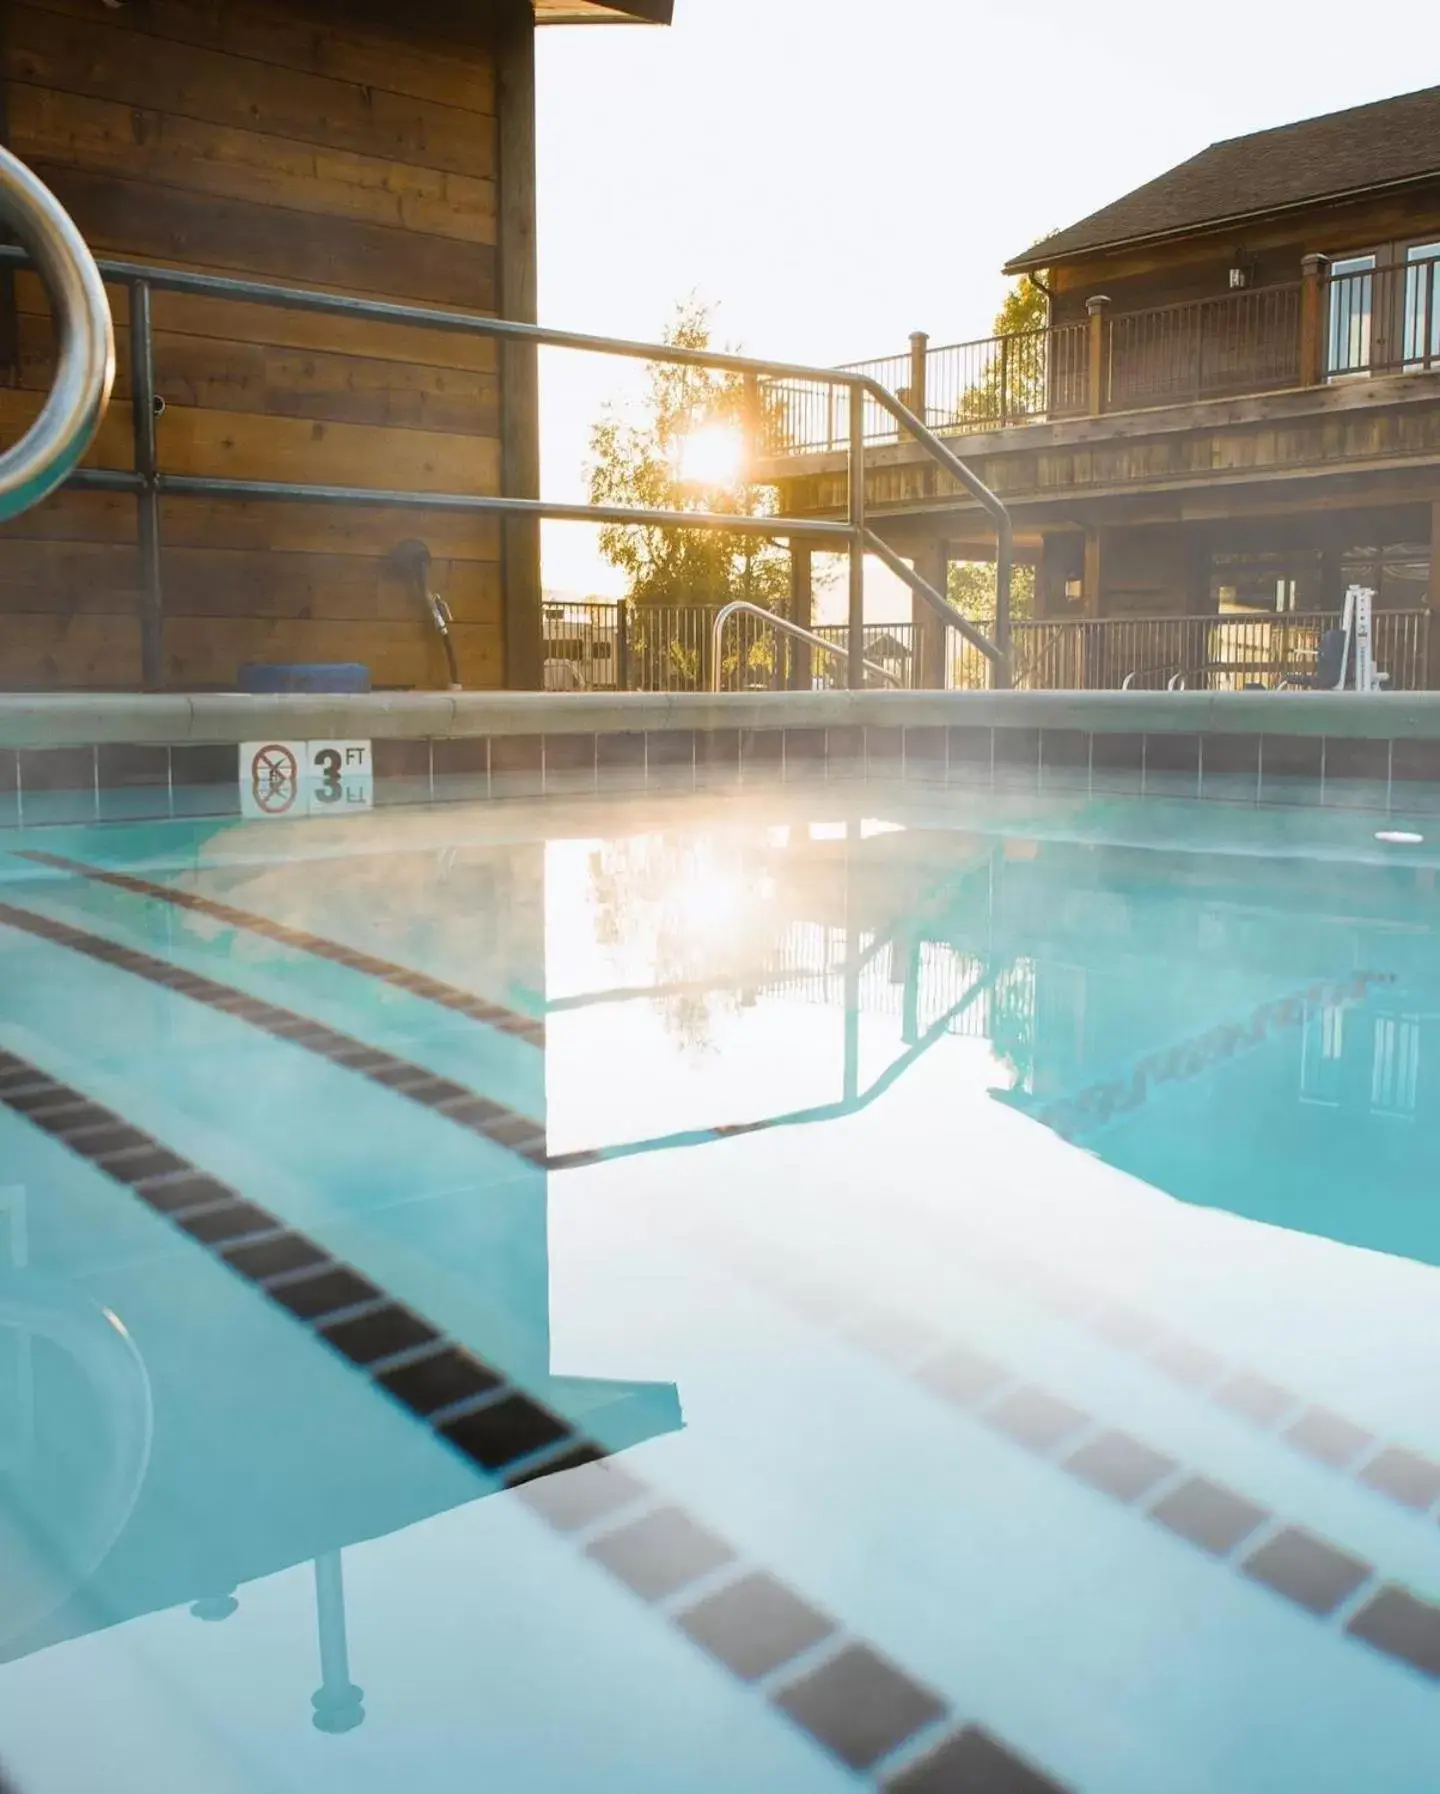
{"x": 782, "y": 623}
{"x": 85, "y": 366}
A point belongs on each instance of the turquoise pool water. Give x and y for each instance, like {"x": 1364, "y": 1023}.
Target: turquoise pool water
{"x": 780, "y": 1292}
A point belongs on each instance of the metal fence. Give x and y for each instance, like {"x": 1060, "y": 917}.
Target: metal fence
{"x": 1219, "y": 653}
{"x": 597, "y": 645}
{"x": 627, "y": 647}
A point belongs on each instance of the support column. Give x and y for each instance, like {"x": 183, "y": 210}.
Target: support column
{"x": 929, "y": 645}
{"x": 1090, "y": 600}
{"x": 1312, "y": 320}
{"x": 1098, "y": 308}
{"x": 1432, "y": 646}
{"x": 518, "y": 299}
{"x": 802, "y": 611}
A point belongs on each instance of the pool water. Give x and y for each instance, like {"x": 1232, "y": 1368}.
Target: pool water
{"x": 781, "y": 1291}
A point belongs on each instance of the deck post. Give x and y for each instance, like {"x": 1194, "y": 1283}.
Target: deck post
{"x": 855, "y": 635}
{"x": 1098, "y": 308}
{"x": 928, "y": 634}
{"x": 919, "y": 374}
{"x": 802, "y": 611}
{"x": 1432, "y": 636}
{"x": 1090, "y": 600}
{"x": 1312, "y": 320}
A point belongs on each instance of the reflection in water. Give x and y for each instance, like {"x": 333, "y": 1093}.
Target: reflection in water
{"x": 338, "y": 1703}
{"x": 1106, "y": 981}
{"x": 77, "y": 1423}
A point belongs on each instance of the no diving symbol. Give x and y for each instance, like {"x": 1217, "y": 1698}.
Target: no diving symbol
{"x": 274, "y": 779}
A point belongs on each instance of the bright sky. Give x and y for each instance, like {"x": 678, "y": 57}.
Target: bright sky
{"x": 833, "y": 174}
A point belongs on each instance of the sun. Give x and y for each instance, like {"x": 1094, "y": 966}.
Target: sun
{"x": 712, "y": 455}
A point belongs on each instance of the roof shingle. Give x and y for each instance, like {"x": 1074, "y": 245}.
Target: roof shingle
{"x": 1319, "y": 158}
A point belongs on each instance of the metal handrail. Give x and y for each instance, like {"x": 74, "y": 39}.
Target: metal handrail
{"x": 148, "y": 483}
{"x": 47, "y": 453}
{"x": 734, "y": 609}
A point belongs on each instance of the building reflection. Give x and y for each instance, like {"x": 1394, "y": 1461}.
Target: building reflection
{"x": 1080, "y": 966}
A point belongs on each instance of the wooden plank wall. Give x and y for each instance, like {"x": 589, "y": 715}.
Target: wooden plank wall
{"x": 1197, "y": 267}
{"x": 314, "y": 142}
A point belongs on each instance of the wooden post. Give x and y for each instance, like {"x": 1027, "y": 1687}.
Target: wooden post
{"x": 929, "y": 644}
{"x": 1098, "y": 307}
{"x": 1312, "y": 320}
{"x": 1090, "y": 603}
{"x": 802, "y": 611}
{"x": 919, "y": 373}
{"x": 1432, "y": 641}
{"x": 518, "y": 284}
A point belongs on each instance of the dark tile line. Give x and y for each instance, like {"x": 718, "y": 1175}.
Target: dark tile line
{"x": 342, "y": 1309}
{"x": 853, "y": 1703}
{"x": 1312, "y": 1573}
{"x": 1311, "y": 1429}
{"x": 419, "y": 984}
{"x": 443, "y": 1097}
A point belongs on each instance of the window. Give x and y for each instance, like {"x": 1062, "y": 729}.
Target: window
{"x": 1421, "y": 327}
{"x": 1352, "y": 305}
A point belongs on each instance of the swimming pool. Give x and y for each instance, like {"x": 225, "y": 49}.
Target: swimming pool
{"x": 786, "y": 1290}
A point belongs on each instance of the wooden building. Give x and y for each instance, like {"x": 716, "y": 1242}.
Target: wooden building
{"x": 363, "y": 146}
{"x": 1233, "y": 411}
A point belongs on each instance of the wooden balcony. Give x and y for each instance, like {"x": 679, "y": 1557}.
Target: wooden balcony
{"x": 1326, "y": 385}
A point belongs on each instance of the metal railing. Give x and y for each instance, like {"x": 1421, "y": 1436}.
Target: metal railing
{"x": 1246, "y": 341}
{"x": 46, "y": 454}
{"x": 785, "y": 627}
{"x": 1214, "y": 653}
{"x": 149, "y": 483}
{"x": 1383, "y": 320}
{"x": 1367, "y": 319}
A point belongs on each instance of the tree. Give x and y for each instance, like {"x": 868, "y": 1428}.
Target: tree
{"x": 642, "y": 461}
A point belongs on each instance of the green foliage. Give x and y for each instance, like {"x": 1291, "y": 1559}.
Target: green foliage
{"x": 972, "y": 591}
{"x": 635, "y": 461}
{"x": 1024, "y": 307}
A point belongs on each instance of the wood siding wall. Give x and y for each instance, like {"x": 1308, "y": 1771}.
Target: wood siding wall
{"x": 326, "y": 147}
{"x": 1197, "y": 267}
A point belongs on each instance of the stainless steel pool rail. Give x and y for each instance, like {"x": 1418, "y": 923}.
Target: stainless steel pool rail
{"x": 742, "y": 606}
{"x": 47, "y": 453}
{"x": 149, "y": 484}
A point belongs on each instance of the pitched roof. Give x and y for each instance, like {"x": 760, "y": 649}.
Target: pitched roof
{"x": 1364, "y": 147}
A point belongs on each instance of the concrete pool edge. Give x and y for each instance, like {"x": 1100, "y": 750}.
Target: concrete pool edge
{"x": 82, "y": 719}
{"x": 71, "y": 759}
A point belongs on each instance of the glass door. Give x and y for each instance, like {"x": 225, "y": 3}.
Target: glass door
{"x": 1352, "y": 316}
{"x": 1420, "y": 327}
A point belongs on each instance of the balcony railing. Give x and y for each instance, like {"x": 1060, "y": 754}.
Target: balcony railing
{"x": 1344, "y": 320}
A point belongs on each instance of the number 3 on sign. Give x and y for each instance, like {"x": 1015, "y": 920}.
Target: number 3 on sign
{"x": 305, "y": 778}
{"x": 340, "y": 777}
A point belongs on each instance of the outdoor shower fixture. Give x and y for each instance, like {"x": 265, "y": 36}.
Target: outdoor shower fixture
{"x": 412, "y": 556}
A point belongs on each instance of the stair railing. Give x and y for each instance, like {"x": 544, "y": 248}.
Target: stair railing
{"x": 742, "y": 606}
{"x": 48, "y": 453}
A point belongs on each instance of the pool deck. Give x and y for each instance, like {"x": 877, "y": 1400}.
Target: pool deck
{"x": 86, "y": 718}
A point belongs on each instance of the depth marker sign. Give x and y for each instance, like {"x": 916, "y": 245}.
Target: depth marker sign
{"x": 305, "y": 778}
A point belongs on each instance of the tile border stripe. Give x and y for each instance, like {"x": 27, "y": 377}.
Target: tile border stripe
{"x": 443, "y": 1097}
{"x": 1390, "y": 1618}
{"x": 355, "y": 959}
{"x": 562, "y": 1476}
